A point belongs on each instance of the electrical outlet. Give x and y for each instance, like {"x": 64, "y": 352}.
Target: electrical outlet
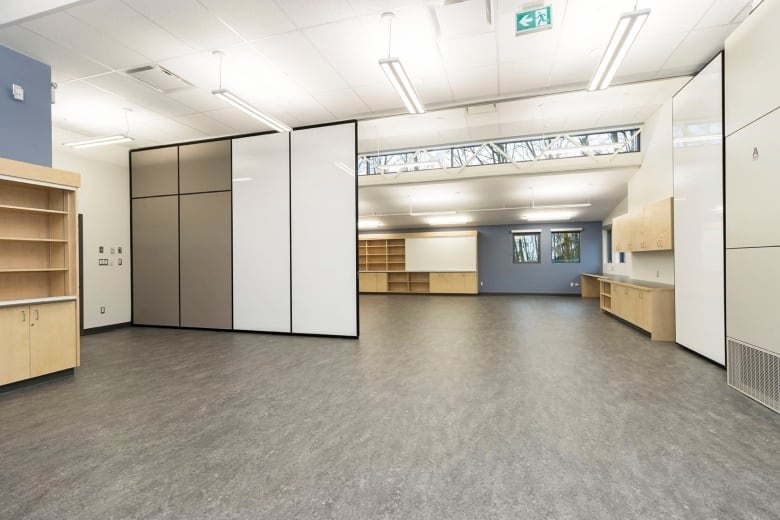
{"x": 100, "y": 249}
{"x": 481, "y": 284}
{"x": 119, "y": 250}
{"x": 119, "y": 262}
{"x": 571, "y": 284}
{"x": 576, "y": 284}
{"x": 102, "y": 310}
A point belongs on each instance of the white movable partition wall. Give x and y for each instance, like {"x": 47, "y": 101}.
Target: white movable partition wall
{"x": 324, "y": 227}
{"x": 698, "y": 214}
{"x": 261, "y": 233}
{"x": 286, "y": 212}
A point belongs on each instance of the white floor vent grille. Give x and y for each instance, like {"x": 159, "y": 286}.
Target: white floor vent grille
{"x": 754, "y": 372}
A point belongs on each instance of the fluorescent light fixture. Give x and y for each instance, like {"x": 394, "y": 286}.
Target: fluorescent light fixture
{"x": 228, "y": 97}
{"x": 242, "y": 179}
{"x": 561, "y": 206}
{"x": 548, "y": 215}
{"x": 448, "y": 220}
{"x": 612, "y": 146}
{"x": 626, "y": 31}
{"x": 698, "y": 138}
{"x": 369, "y": 223}
{"x": 343, "y": 167}
{"x": 392, "y": 168}
{"x": 99, "y": 141}
{"x": 430, "y": 213}
{"x": 397, "y": 75}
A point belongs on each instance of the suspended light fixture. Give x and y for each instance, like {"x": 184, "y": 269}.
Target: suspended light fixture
{"x": 397, "y": 75}
{"x": 102, "y": 141}
{"x": 626, "y": 31}
{"x": 229, "y": 97}
{"x": 369, "y": 223}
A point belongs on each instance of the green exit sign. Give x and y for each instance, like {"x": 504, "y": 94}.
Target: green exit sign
{"x": 533, "y": 20}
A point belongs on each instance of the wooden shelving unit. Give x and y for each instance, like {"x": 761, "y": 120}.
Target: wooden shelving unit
{"x": 38, "y": 270}
{"x": 382, "y": 267}
{"x": 605, "y": 295}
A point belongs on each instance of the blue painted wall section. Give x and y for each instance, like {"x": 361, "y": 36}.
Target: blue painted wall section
{"x": 25, "y": 126}
{"x": 499, "y": 274}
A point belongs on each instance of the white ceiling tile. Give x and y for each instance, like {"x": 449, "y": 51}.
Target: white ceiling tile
{"x": 469, "y": 52}
{"x": 723, "y": 12}
{"x": 380, "y": 97}
{"x": 474, "y": 82}
{"x": 522, "y": 75}
{"x": 342, "y": 103}
{"x": 65, "y": 63}
{"x": 206, "y": 125}
{"x": 189, "y": 21}
{"x": 649, "y": 53}
{"x": 198, "y": 99}
{"x": 252, "y": 19}
{"x": 136, "y": 31}
{"x": 363, "y": 7}
{"x": 71, "y": 33}
{"x": 294, "y": 55}
{"x": 128, "y": 90}
{"x": 699, "y": 47}
{"x": 674, "y": 17}
{"x": 238, "y": 120}
{"x": 308, "y": 13}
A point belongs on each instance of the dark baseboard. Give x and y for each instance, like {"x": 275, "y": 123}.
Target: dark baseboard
{"x": 105, "y": 328}
{"x": 37, "y": 380}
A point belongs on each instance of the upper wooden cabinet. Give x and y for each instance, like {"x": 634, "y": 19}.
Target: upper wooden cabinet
{"x": 646, "y": 229}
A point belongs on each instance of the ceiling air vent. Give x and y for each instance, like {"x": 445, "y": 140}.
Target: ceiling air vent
{"x": 463, "y": 18}
{"x": 158, "y": 78}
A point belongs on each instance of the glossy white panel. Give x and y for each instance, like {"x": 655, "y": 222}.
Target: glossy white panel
{"x": 752, "y": 75}
{"x": 324, "y": 231}
{"x": 753, "y": 287}
{"x": 455, "y": 254}
{"x": 698, "y": 214}
{"x": 752, "y": 184}
{"x": 261, "y": 233}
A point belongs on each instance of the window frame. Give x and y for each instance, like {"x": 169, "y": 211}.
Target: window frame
{"x": 554, "y": 232}
{"x": 527, "y": 232}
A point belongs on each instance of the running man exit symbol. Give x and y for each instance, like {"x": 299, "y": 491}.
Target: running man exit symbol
{"x": 533, "y": 20}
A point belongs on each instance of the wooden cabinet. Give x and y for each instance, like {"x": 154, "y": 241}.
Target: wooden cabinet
{"x": 41, "y": 339}
{"x": 646, "y": 229}
{"x": 381, "y": 255}
{"x": 650, "y": 307}
{"x": 453, "y": 283}
{"x": 656, "y": 230}
{"x": 38, "y": 270}
{"x": 373, "y": 282}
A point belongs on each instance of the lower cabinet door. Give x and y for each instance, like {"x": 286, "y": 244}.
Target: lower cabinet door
{"x": 52, "y": 337}
{"x": 15, "y": 345}
{"x": 367, "y": 282}
{"x": 459, "y": 283}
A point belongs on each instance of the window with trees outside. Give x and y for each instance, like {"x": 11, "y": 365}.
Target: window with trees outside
{"x": 565, "y": 246}
{"x": 526, "y": 245}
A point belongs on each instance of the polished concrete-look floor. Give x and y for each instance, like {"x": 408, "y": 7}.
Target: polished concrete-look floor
{"x": 516, "y": 407}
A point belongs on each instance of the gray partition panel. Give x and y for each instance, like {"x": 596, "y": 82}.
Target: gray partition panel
{"x": 155, "y": 172}
{"x": 156, "y": 261}
{"x": 204, "y": 167}
{"x": 206, "y": 258}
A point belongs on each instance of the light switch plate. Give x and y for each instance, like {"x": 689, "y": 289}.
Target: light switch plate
{"x": 17, "y": 91}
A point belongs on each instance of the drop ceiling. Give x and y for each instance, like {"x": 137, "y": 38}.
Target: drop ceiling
{"x": 307, "y": 62}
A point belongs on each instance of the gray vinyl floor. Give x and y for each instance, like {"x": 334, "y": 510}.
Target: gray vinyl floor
{"x": 518, "y": 407}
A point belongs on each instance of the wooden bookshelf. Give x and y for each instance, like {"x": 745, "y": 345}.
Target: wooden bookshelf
{"x": 38, "y": 270}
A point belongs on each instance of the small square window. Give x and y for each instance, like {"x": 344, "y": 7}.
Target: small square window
{"x": 565, "y": 247}
{"x": 525, "y": 247}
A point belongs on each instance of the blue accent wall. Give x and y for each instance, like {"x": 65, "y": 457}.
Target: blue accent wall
{"x": 499, "y": 274}
{"x": 25, "y": 126}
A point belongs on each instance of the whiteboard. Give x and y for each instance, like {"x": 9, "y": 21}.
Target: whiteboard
{"x": 441, "y": 254}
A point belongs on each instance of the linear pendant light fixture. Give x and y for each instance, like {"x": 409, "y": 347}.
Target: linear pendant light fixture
{"x": 103, "y": 141}
{"x": 99, "y": 141}
{"x": 626, "y": 31}
{"x": 229, "y": 97}
{"x": 397, "y": 75}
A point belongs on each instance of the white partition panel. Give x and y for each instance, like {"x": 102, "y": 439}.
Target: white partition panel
{"x": 324, "y": 230}
{"x": 456, "y": 254}
{"x": 698, "y": 214}
{"x": 261, "y": 233}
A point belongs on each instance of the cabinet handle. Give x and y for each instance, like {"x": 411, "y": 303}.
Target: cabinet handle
{"x": 24, "y": 316}
{"x": 37, "y": 316}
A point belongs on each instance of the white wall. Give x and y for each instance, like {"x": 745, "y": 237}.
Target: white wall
{"x": 104, "y": 200}
{"x": 653, "y": 181}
